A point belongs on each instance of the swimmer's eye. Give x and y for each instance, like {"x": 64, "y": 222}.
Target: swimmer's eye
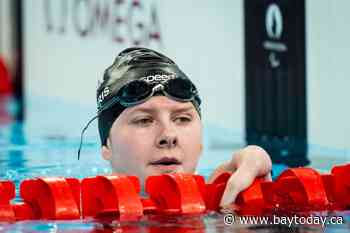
{"x": 143, "y": 121}
{"x": 183, "y": 119}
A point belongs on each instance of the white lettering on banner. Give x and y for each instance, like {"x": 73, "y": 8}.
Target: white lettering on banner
{"x": 123, "y": 21}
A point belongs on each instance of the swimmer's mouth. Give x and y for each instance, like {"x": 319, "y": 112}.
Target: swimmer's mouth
{"x": 166, "y": 162}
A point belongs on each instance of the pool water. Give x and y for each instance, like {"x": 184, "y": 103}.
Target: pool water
{"x": 168, "y": 224}
{"x": 24, "y": 154}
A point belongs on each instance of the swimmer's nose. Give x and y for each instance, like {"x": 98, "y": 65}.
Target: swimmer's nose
{"x": 167, "y": 137}
{"x": 167, "y": 141}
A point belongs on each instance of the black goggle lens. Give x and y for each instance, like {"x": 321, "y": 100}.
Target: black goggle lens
{"x": 135, "y": 91}
{"x": 181, "y": 89}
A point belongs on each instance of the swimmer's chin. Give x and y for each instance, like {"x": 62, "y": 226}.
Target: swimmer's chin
{"x": 159, "y": 170}
{"x": 170, "y": 172}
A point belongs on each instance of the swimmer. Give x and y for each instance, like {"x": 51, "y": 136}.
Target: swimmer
{"x": 149, "y": 121}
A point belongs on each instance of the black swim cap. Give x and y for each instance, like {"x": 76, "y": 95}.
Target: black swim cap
{"x": 131, "y": 64}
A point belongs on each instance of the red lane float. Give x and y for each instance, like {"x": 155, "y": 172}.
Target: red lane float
{"x": 341, "y": 184}
{"x": 251, "y": 201}
{"x": 337, "y": 187}
{"x": 118, "y": 196}
{"x": 177, "y": 193}
{"x": 297, "y": 189}
{"x": 7, "y": 193}
{"x": 105, "y": 196}
{"x": 51, "y": 198}
{"x": 215, "y": 190}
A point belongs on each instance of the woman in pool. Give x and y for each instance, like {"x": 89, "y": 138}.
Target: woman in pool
{"x": 149, "y": 121}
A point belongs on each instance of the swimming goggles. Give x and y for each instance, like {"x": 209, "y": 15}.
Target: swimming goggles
{"x": 139, "y": 91}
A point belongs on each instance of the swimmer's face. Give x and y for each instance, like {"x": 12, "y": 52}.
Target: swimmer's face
{"x": 156, "y": 137}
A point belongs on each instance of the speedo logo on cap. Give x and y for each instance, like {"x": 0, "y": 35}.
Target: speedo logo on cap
{"x": 158, "y": 78}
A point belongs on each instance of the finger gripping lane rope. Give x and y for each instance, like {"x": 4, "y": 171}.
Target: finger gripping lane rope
{"x": 296, "y": 190}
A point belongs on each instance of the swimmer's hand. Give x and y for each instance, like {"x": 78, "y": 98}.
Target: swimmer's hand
{"x": 247, "y": 164}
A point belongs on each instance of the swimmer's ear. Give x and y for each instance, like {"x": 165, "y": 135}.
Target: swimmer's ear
{"x": 106, "y": 151}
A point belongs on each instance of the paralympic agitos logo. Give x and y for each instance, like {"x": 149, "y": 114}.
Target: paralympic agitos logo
{"x": 133, "y": 22}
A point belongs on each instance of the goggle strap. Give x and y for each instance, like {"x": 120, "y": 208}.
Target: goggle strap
{"x": 82, "y": 133}
{"x": 109, "y": 103}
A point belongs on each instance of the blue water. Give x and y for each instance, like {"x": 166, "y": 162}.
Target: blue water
{"x": 28, "y": 151}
